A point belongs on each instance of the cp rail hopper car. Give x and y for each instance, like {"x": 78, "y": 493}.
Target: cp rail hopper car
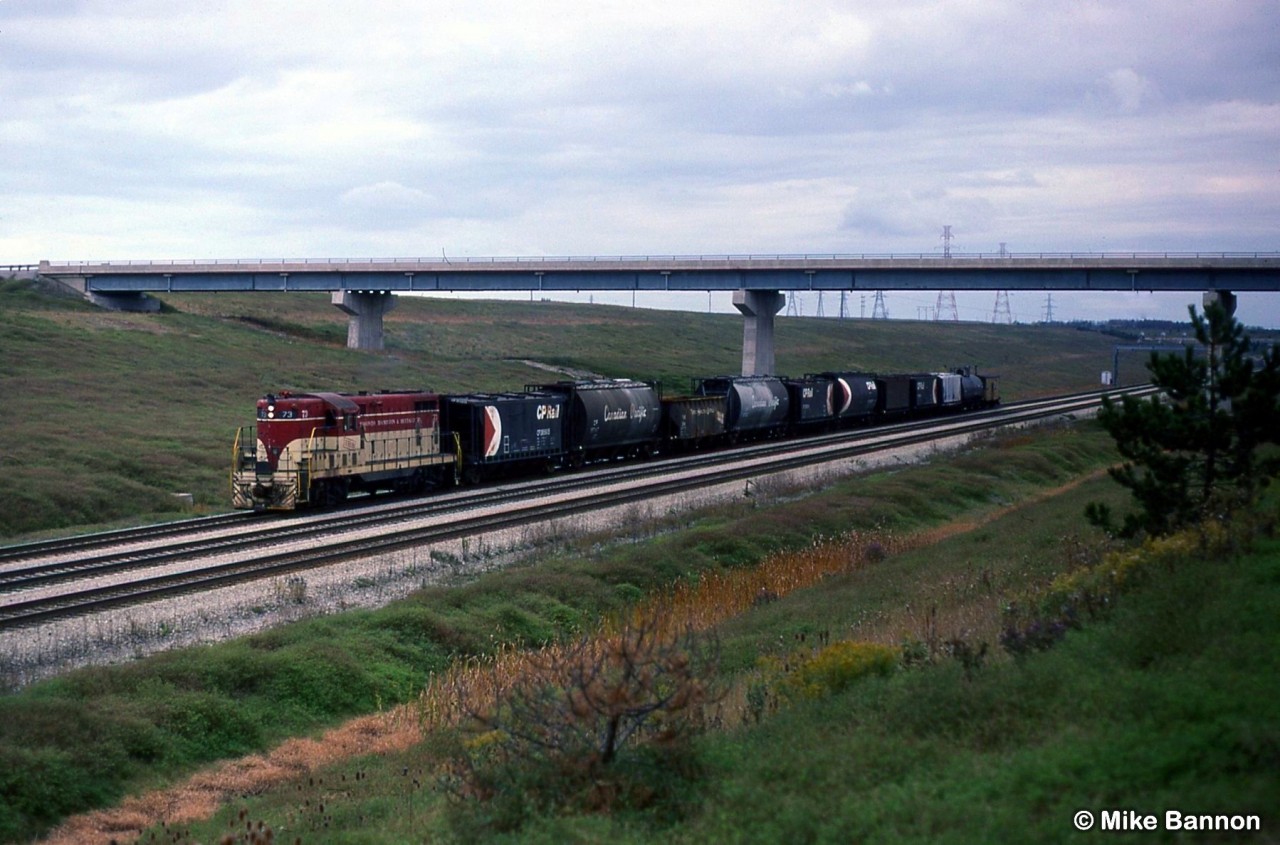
{"x": 608, "y": 418}
{"x": 507, "y": 433}
{"x": 854, "y": 395}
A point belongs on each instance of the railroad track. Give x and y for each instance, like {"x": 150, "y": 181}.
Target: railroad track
{"x": 106, "y": 539}
{"x": 332, "y": 538}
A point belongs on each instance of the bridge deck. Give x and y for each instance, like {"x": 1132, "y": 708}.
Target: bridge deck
{"x": 1042, "y": 271}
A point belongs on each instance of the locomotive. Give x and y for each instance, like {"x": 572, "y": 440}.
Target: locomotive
{"x": 318, "y": 448}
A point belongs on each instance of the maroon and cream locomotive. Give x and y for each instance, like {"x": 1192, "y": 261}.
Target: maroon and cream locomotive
{"x": 316, "y": 448}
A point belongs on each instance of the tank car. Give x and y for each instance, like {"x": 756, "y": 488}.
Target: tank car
{"x": 316, "y": 448}
{"x": 505, "y": 433}
{"x": 607, "y": 418}
{"x": 978, "y": 391}
{"x": 755, "y": 405}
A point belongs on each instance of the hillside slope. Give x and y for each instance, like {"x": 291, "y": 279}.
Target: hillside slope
{"x": 111, "y": 413}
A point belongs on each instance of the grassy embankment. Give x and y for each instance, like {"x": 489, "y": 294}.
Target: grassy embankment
{"x": 1167, "y": 701}
{"x": 110, "y": 414}
{"x": 97, "y": 733}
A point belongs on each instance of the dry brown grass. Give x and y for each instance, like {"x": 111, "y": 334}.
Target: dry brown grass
{"x": 204, "y": 793}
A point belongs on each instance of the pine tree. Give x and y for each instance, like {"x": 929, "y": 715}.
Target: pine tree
{"x": 1196, "y": 448}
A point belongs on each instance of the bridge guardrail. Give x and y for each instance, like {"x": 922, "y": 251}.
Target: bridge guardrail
{"x": 588, "y": 259}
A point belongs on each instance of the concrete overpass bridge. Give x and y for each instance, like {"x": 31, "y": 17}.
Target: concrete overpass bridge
{"x": 364, "y": 288}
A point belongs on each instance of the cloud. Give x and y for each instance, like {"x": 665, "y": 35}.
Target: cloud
{"x": 1129, "y": 90}
{"x": 244, "y": 128}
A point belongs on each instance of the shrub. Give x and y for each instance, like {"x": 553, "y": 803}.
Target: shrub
{"x": 1091, "y": 590}
{"x": 566, "y": 732}
{"x": 838, "y": 666}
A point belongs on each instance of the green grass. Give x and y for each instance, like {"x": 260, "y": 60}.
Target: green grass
{"x": 1168, "y": 704}
{"x": 113, "y": 413}
{"x": 1168, "y": 701}
{"x": 155, "y": 719}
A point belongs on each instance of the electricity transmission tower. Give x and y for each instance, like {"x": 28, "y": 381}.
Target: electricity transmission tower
{"x": 1001, "y": 313}
{"x": 879, "y": 311}
{"x": 946, "y": 305}
{"x": 946, "y": 299}
{"x": 1048, "y": 308}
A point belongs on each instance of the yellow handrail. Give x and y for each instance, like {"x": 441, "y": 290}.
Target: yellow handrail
{"x": 304, "y": 468}
{"x": 235, "y": 459}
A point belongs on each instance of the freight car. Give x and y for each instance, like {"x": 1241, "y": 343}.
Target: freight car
{"x": 893, "y": 397}
{"x": 692, "y": 422}
{"x": 501, "y": 434}
{"x": 607, "y": 418}
{"x": 977, "y": 391}
{"x": 316, "y": 448}
{"x": 812, "y": 402}
{"x": 755, "y": 406}
{"x": 854, "y": 396}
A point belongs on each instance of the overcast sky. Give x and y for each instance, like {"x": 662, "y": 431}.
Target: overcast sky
{"x": 135, "y": 129}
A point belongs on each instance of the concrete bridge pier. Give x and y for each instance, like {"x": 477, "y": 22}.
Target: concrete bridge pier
{"x": 364, "y": 329}
{"x": 758, "y": 308}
